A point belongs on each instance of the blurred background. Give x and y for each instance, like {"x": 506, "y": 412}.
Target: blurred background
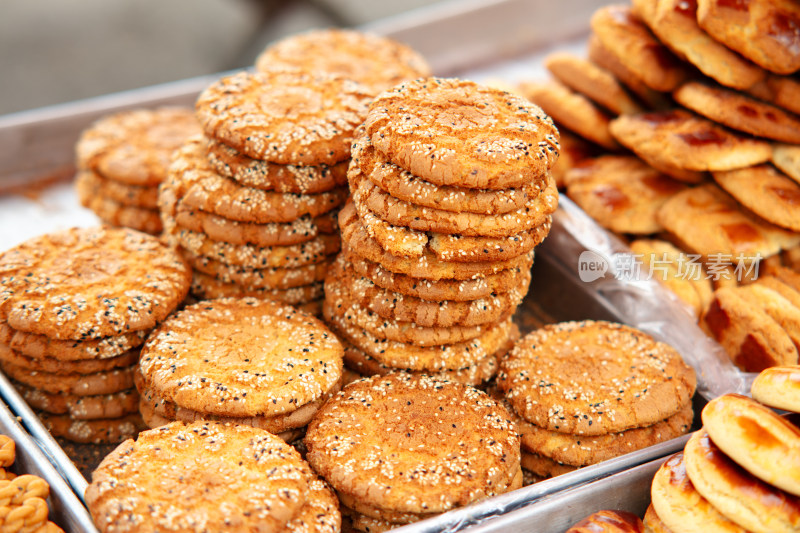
{"x": 52, "y": 51}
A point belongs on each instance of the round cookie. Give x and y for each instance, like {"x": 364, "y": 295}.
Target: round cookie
{"x": 90, "y": 283}
{"x": 783, "y": 91}
{"x": 104, "y": 406}
{"x": 756, "y": 438}
{"x": 544, "y": 466}
{"x": 679, "y": 139}
{"x": 752, "y": 504}
{"x": 40, "y": 346}
{"x": 397, "y": 240}
{"x": 764, "y": 31}
{"x": 607, "y": 521}
{"x": 787, "y": 158}
{"x": 117, "y": 214}
{"x": 680, "y": 507}
{"x": 594, "y": 377}
{"x": 60, "y": 366}
{"x": 652, "y": 523}
{"x": 122, "y": 193}
{"x": 456, "y": 132}
{"x": 267, "y": 176}
{"x": 268, "y": 358}
{"x": 205, "y": 287}
{"x": 375, "y": 61}
{"x": 632, "y": 44}
{"x": 596, "y": 83}
{"x": 260, "y": 278}
{"x": 573, "y": 151}
{"x": 778, "y": 387}
{"x": 266, "y": 482}
{"x": 97, "y": 431}
{"x": 401, "y": 433}
{"x": 134, "y": 147}
{"x": 571, "y": 110}
{"x": 94, "y": 384}
{"x": 622, "y": 193}
{"x": 739, "y": 111}
{"x": 766, "y": 192}
{"x": 284, "y": 116}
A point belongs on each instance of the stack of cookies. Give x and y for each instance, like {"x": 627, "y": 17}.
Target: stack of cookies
{"x": 74, "y": 308}
{"x": 728, "y": 478}
{"x": 584, "y": 392}
{"x": 450, "y": 194}
{"x": 242, "y": 360}
{"x": 122, "y": 159}
{"x": 252, "y": 204}
{"x": 401, "y": 448}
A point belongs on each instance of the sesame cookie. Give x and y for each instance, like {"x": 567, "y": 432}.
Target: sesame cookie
{"x": 267, "y": 176}
{"x": 596, "y": 83}
{"x": 680, "y": 507}
{"x": 162, "y": 475}
{"x": 396, "y": 240}
{"x": 571, "y": 110}
{"x": 358, "y": 241}
{"x": 134, "y": 147}
{"x": 219, "y": 228}
{"x": 90, "y": 283}
{"x": 727, "y": 229}
{"x": 632, "y": 44}
{"x": 783, "y": 91}
{"x": 544, "y": 466}
{"x": 456, "y": 132}
{"x": 739, "y": 111}
{"x": 268, "y": 358}
{"x": 424, "y": 289}
{"x": 113, "y": 405}
{"x": 122, "y": 193}
{"x": 593, "y": 377}
{"x": 741, "y": 497}
{"x": 54, "y": 365}
{"x": 375, "y": 61}
{"x": 97, "y": 431}
{"x": 622, "y": 193}
{"x": 94, "y": 384}
{"x": 675, "y": 24}
{"x": 207, "y": 287}
{"x": 756, "y": 438}
{"x": 284, "y": 116}
{"x": 766, "y": 31}
{"x": 679, "y": 139}
{"x": 778, "y": 387}
{"x": 40, "y": 346}
{"x": 787, "y": 158}
{"x": 260, "y": 278}
{"x": 413, "y": 442}
{"x": 405, "y": 186}
{"x": 115, "y": 213}
{"x": 766, "y": 192}
{"x": 608, "y": 521}
{"x": 751, "y": 337}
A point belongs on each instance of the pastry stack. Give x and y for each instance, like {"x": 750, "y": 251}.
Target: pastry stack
{"x": 122, "y": 159}
{"x": 252, "y": 203}
{"x": 450, "y": 194}
{"x": 75, "y": 307}
{"x": 585, "y": 392}
{"x": 740, "y": 471}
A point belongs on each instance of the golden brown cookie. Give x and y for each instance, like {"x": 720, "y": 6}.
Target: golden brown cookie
{"x": 134, "y": 147}
{"x": 115, "y": 213}
{"x": 573, "y": 151}
{"x": 90, "y": 283}
{"x": 778, "y": 387}
{"x": 205, "y": 287}
{"x": 78, "y": 384}
{"x": 727, "y": 228}
{"x": 61, "y": 366}
{"x": 97, "y": 431}
{"x": 766, "y": 192}
{"x": 740, "y": 496}
{"x": 456, "y": 132}
{"x": 412, "y": 440}
{"x": 680, "y": 507}
{"x": 114, "y": 405}
{"x": 783, "y": 91}
{"x": 260, "y": 278}
{"x": 121, "y": 193}
{"x": 284, "y": 116}
{"x": 608, "y": 521}
{"x": 266, "y": 484}
{"x": 544, "y": 466}
{"x": 679, "y": 139}
{"x": 652, "y": 522}
{"x": 632, "y": 44}
{"x": 755, "y": 437}
{"x": 739, "y": 111}
{"x": 241, "y": 357}
{"x": 622, "y": 193}
{"x": 596, "y": 83}
{"x": 260, "y": 174}
{"x": 42, "y": 347}
{"x": 764, "y": 31}
{"x": 781, "y": 309}
{"x": 375, "y": 61}
{"x": 594, "y": 377}
{"x": 787, "y": 158}
{"x": 675, "y": 24}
